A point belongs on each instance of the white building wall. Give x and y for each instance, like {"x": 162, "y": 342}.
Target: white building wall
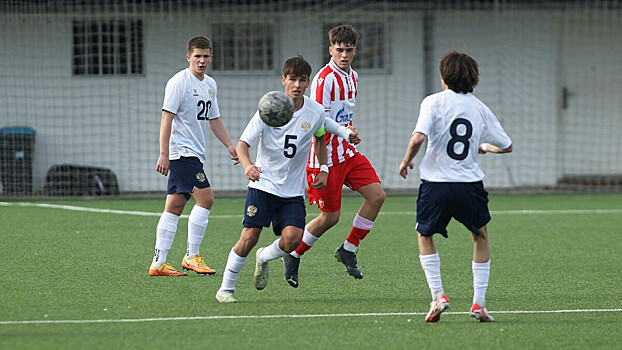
{"x": 114, "y": 121}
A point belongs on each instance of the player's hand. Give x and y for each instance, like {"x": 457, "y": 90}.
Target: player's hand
{"x": 163, "y": 165}
{"x": 320, "y": 181}
{"x": 354, "y": 136}
{"x": 482, "y": 149}
{"x": 404, "y": 167}
{"x": 234, "y": 155}
{"x": 253, "y": 172}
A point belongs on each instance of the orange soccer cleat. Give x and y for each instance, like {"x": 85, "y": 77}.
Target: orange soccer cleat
{"x": 165, "y": 269}
{"x": 197, "y": 264}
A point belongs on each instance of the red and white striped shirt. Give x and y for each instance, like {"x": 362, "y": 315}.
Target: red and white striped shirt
{"x": 336, "y": 90}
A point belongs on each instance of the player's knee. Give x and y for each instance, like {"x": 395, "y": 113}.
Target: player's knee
{"x": 377, "y": 200}
{"x": 330, "y": 219}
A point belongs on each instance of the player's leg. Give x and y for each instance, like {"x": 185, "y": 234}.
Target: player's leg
{"x": 280, "y": 248}
{"x": 433, "y": 216}
{"x": 431, "y": 264}
{"x": 363, "y": 222}
{"x": 165, "y": 234}
{"x": 257, "y": 215}
{"x": 361, "y": 177}
{"x": 481, "y": 275}
{"x": 288, "y": 223}
{"x": 328, "y": 201}
{"x": 238, "y": 256}
{"x": 197, "y": 224}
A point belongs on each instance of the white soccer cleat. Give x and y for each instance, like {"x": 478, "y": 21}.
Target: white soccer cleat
{"x": 225, "y": 297}
{"x": 260, "y": 279}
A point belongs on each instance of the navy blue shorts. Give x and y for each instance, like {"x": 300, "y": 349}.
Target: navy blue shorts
{"x": 438, "y": 202}
{"x": 263, "y": 208}
{"x": 185, "y": 174}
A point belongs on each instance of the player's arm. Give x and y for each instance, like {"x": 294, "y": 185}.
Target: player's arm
{"x": 413, "y": 148}
{"x": 250, "y": 170}
{"x": 489, "y": 148}
{"x": 319, "y": 146}
{"x": 166, "y": 125}
{"x": 218, "y": 128}
{"x": 348, "y": 133}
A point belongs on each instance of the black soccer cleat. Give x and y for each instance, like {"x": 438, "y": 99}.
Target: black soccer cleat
{"x": 349, "y": 259}
{"x": 290, "y": 269}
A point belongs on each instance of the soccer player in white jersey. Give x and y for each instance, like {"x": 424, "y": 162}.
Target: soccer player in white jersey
{"x": 277, "y": 179}
{"x": 335, "y": 87}
{"x": 458, "y": 127}
{"x": 189, "y": 106}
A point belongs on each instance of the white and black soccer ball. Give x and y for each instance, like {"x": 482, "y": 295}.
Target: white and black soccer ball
{"x": 276, "y": 108}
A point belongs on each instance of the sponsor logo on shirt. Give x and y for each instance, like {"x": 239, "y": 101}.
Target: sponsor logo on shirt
{"x": 194, "y": 92}
{"x": 342, "y": 117}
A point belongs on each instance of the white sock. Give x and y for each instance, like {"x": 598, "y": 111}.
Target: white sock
{"x": 481, "y": 274}
{"x": 271, "y": 252}
{"x": 197, "y": 223}
{"x": 235, "y": 264}
{"x": 431, "y": 265}
{"x": 165, "y": 233}
{"x": 349, "y": 247}
{"x": 309, "y": 240}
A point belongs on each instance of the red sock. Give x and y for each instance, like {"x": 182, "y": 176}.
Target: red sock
{"x": 302, "y": 248}
{"x": 356, "y": 235}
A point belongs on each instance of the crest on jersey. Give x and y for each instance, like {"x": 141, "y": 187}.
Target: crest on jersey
{"x": 305, "y": 126}
{"x": 251, "y": 210}
{"x": 201, "y": 177}
{"x": 320, "y": 81}
{"x": 211, "y": 93}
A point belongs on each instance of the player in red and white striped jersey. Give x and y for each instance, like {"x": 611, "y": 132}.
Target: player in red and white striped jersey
{"x": 335, "y": 87}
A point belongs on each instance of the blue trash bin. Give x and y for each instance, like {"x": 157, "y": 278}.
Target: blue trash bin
{"x": 17, "y": 145}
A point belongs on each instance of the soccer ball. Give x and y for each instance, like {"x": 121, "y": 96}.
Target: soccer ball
{"x": 276, "y": 108}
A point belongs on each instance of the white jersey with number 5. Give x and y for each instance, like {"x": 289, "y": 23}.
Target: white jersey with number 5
{"x": 283, "y": 151}
{"x": 193, "y": 102}
{"x": 455, "y": 125}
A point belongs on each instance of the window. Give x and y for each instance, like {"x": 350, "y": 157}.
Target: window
{"x": 112, "y": 47}
{"x": 371, "y": 48}
{"x": 243, "y": 46}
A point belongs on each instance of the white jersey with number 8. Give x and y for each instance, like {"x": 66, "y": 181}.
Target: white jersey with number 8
{"x": 455, "y": 125}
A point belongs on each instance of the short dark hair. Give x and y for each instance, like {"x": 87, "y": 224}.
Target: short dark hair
{"x": 297, "y": 66}
{"x": 199, "y": 42}
{"x": 459, "y": 71}
{"x": 343, "y": 34}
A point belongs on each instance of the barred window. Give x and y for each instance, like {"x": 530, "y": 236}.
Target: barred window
{"x": 109, "y": 47}
{"x": 371, "y": 48}
{"x": 243, "y": 46}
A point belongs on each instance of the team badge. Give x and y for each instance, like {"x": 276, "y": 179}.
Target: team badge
{"x": 251, "y": 210}
{"x": 201, "y": 177}
{"x": 211, "y": 93}
{"x": 320, "y": 81}
{"x": 320, "y": 203}
{"x": 305, "y": 126}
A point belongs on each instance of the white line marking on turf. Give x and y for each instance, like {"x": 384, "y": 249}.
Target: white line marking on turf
{"x": 237, "y": 216}
{"x": 224, "y": 317}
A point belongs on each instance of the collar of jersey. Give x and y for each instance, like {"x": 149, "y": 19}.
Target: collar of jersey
{"x": 336, "y": 68}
